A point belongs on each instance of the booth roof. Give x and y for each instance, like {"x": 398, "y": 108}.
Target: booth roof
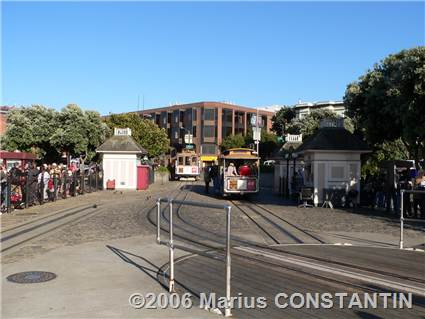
{"x": 17, "y": 155}
{"x": 338, "y": 139}
{"x": 118, "y": 143}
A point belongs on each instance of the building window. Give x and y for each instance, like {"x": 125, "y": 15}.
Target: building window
{"x": 209, "y": 114}
{"x": 337, "y": 172}
{"x": 182, "y": 116}
{"x": 208, "y": 149}
{"x": 264, "y": 120}
{"x": 176, "y": 134}
{"x": 169, "y": 117}
{"x": 169, "y": 132}
{"x": 194, "y": 131}
{"x": 226, "y": 131}
{"x": 194, "y": 112}
{"x": 209, "y": 131}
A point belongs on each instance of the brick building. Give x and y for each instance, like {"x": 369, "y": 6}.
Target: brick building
{"x": 4, "y": 110}
{"x": 208, "y": 122}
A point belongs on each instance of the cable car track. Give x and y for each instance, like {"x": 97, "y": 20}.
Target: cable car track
{"x": 203, "y": 231}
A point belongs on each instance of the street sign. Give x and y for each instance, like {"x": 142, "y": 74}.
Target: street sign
{"x": 254, "y": 120}
{"x": 188, "y": 139}
{"x": 256, "y": 133}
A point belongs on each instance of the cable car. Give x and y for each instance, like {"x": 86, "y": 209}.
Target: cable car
{"x": 187, "y": 165}
{"x": 239, "y": 167}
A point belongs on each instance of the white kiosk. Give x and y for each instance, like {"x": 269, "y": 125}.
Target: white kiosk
{"x": 120, "y": 157}
{"x": 332, "y": 159}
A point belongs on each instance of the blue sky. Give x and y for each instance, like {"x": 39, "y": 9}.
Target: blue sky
{"x": 102, "y": 55}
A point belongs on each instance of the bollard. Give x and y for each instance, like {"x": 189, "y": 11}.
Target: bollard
{"x": 65, "y": 184}
{"x": 90, "y": 178}
{"x": 74, "y": 182}
{"x": 158, "y": 224}
{"x": 227, "y": 311}
{"x": 96, "y": 176}
{"x": 27, "y": 191}
{"x": 8, "y": 196}
{"x": 55, "y": 187}
{"x": 42, "y": 190}
{"x": 401, "y": 219}
{"x": 171, "y": 248}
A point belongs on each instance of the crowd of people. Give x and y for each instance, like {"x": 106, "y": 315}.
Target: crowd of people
{"x": 27, "y": 185}
{"x": 378, "y": 193}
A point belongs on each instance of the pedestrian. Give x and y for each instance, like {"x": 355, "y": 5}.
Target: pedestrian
{"x": 32, "y": 175}
{"x": 43, "y": 180}
{"x": 3, "y": 183}
{"x": 207, "y": 178}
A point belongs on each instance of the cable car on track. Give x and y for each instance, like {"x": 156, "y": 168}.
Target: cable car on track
{"x": 187, "y": 165}
{"x": 239, "y": 169}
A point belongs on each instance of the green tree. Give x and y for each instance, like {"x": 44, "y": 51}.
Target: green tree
{"x": 145, "y": 132}
{"x": 282, "y": 119}
{"x": 29, "y": 130}
{"x": 232, "y": 141}
{"x": 310, "y": 123}
{"x": 268, "y": 142}
{"x": 78, "y": 132}
{"x": 387, "y": 102}
{"x": 47, "y": 132}
{"x": 386, "y": 151}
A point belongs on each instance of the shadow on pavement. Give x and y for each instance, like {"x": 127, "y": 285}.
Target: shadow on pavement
{"x": 153, "y": 271}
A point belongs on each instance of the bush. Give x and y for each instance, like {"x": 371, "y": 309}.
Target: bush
{"x": 162, "y": 170}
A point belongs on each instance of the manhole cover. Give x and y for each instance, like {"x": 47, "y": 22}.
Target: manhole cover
{"x": 31, "y": 277}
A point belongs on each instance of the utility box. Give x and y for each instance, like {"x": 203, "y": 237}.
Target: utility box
{"x": 142, "y": 177}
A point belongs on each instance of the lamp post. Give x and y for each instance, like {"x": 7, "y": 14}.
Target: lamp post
{"x": 288, "y": 157}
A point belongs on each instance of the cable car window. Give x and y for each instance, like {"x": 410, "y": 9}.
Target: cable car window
{"x": 187, "y": 161}
{"x": 180, "y": 160}
{"x": 194, "y": 160}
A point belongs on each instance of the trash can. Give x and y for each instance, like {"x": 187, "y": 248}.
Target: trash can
{"x": 142, "y": 177}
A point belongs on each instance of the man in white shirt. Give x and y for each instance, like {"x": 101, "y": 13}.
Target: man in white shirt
{"x": 231, "y": 170}
{"x": 44, "y": 177}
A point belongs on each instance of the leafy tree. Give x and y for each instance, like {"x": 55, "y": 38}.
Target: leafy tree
{"x": 78, "y": 132}
{"x": 385, "y": 151}
{"x": 47, "y": 132}
{"x": 282, "y": 119}
{"x": 310, "y": 123}
{"x": 233, "y": 141}
{"x": 268, "y": 142}
{"x": 388, "y": 101}
{"x": 29, "y": 130}
{"x": 145, "y": 132}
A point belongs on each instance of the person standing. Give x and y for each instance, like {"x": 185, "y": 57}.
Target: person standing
{"x": 32, "y": 183}
{"x": 43, "y": 180}
{"x": 207, "y": 178}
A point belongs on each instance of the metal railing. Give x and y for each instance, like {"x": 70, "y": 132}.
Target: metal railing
{"x": 402, "y": 219}
{"x": 170, "y": 243}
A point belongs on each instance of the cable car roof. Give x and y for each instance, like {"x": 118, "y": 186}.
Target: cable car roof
{"x": 240, "y": 153}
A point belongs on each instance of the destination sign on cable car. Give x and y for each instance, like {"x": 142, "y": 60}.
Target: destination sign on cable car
{"x": 189, "y": 146}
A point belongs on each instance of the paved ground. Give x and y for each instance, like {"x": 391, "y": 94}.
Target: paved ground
{"x": 102, "y": 259}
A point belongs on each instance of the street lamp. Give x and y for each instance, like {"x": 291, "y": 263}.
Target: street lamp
{"x": 288, "y": 156}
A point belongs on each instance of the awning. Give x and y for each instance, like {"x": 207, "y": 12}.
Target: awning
{"x": 208, "y": 158}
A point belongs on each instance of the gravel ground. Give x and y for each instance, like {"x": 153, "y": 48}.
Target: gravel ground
{"x": 125, "y": 215}
{"x": 336, "y": 220}
{"x": 121, "y": 215}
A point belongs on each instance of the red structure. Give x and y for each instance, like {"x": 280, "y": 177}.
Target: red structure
{"x": 9, "y": 158}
